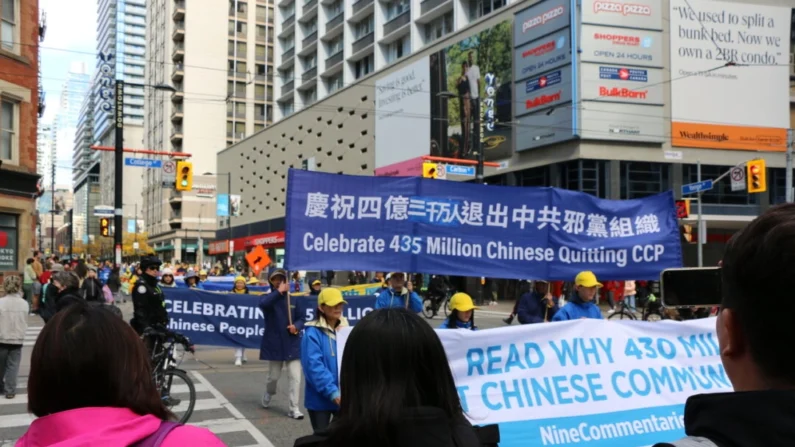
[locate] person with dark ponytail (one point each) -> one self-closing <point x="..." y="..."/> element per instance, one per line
<point x="462" y="315"/>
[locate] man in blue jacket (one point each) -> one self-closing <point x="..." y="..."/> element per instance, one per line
<point x="281" y="343"/>
<point x="581" y="304"/>
<point x="400" y="294"/>
<point x="537" y="306"/>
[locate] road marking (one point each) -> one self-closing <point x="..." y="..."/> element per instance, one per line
<point x="16" y="420"/>
<point x="219" y="426"/>
<point x="261" y="439"/>
<point x="18" y="400"/>
<point x="201" y="404"/>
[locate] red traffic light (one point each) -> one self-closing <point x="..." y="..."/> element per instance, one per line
<point x="755" y="170"/>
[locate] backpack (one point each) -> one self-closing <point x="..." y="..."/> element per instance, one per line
<point x="157" y="438"/>
<point x="693" y="441"/>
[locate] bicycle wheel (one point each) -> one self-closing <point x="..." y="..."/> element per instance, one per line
<point x="621" y="315"/>
<point x="446" y="305"/>
<point x="427" y="308"/>
<point x="652" y="315"/>
<point x="178" y="393"/>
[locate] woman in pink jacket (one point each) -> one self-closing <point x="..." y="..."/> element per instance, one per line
<point x="90" y="385"/>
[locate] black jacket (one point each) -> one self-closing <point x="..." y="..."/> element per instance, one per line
<point x="743" y="419"/>
<point x="420" y="427"/>
<point x="149" y="305"/>
<point x="67" y="297"/>
<point x="92" y="290"/>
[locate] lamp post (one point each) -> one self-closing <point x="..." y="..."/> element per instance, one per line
<point x="228" y="208"/>
<point x="119" y="160"/>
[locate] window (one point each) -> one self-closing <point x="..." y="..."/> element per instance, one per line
<point x="364" y="27"/>
<point x="287" y="108"/>
<point x="334" y="83"/>
<point x="309" y="62"/>
<point x="398" y="49"/>
<point x="261" y="13"/>
<point x="439" y="27"/>
<point x="310" y="27"/>
<point x="639" y="179"/>
<point x="8" y="232"/>
<point x="588" y="176"/>
<point x="259" y="92"/>
<point x="259" y="52"/>
<point x="8" y="27"/>
<point x="287" y="44"/>
<point x="480" y="8"/>
<point x="396" y="8"/>
<point x="335" y="46"/>
<point x="8" y="131"/>
<point x="364" y="66"/>
<point x="239" y="67"/>
<point x="261" y="32"/>
<point x="309" y="96"/>
<point x="334" y="9"/>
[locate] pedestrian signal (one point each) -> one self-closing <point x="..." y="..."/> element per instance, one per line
<point x="104" y="227"/>
<point x="687" y="233"/>
<point x="184" y="176"/>
<point x="429" y="170"/>
<point x="757" y="180"/>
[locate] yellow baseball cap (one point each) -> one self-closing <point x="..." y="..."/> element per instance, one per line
<point x="240" y="278"/>
<point x="462" y="302"/>
<point x="317" y="283"/>
<point x="330" y="297"/>
<point x="586" y="279"/>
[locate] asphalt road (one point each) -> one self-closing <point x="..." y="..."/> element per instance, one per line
<point x="228" y="397"/>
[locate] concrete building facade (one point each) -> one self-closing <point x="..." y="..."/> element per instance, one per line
<point x="219" y="57"/>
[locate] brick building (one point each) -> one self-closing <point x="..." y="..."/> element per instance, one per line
<point x="19" y="112"/>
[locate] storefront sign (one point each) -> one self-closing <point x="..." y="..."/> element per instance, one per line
<point x="543" y="55"/>
<point x="541" y="19"/>
<point x="544" y="91"/>
<point x="621" y="46"/>
<point x="622" y="84"/>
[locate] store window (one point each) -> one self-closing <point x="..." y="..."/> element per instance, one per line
<point x="9" y="242"/>
<point x="639" y="179"/>
<point x="588" y="176"/>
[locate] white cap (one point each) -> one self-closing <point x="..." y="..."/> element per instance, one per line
<point x="166" y="271"/>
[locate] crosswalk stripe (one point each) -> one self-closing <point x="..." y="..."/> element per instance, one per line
<point x="219" y="426"/>
<point x="201" y="404"/>
<point x="18" y="400"/>
<point x="183" y="389"/>
<point x="16" y="420"/>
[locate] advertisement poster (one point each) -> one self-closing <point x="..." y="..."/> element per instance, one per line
<point x="746" y="106"/>
<point x="611" y="83"/>
<point x="402" y="121"/>
<point x="471" y="84"/>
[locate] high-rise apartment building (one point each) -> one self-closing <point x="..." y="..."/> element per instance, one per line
<point x="45" y="152"/>
<point x="322" y="45"/>
<point x="73" y="92"/>
<point x="199" y="50"/>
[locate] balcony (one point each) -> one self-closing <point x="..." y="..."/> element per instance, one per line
<point x="362" y="44"/>
<point x="178" y="72"/>
<point x="309" y="75"/>
<point x="309" y="11"/>
<point x="288" y="59"/>
<point x="334" y="27"/>
<point x="179" y="95"/>
<point x="239" y="14"/>
<point x="288" y="26"/>
<point x="262" y="78"/>
<point x="179" y="31"/>
<point x="432" y="9"/>
<point x="333" y="64"/>
<point x="176" y="133"/>
<point x="177" y="113"/>
<point x="233" y="74"/>
<point x="288" y="87"/>
<point x="236" y="95"/>
<point x="178" y="54"/>
<point x="309" y="44"/>
<point x="240" y="114"/>
<point x="394" y="25"/>
<point x="284" y="3"/>
<point x="361" y="9"/>
<point x="179" y="10"/>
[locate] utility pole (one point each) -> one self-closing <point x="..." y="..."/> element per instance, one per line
<point x="700" y="220"/>
<point x="788" y="178"/>
<point x="52" y="210"/>
<point x="119" y="174"/>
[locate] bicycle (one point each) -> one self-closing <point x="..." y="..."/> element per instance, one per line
<point x="622" y="312"/>
<point x="432" y="303"/>
<point x="164" y="371"/>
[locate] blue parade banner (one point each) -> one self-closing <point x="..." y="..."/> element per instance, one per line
<point x="231" y="320"/>
<point x="452" y="228"/>
<point x="222" y="286"/>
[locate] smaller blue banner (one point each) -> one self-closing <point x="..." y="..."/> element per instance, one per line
<point x="231" y="320"/>
<point x="222" y="205"/>
<point x="143" y="163"/>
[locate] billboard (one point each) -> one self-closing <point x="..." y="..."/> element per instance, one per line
<point x="408" y="168"/>
<point x="747" y="106"/>
<point x="402" y="121"/>
<point x="543" y="128"/>
<point x="470" y="87"/>
<point x="621" y="46"/>
<point x="640" y="14"/>
<point x="541" y="19"/>
<point x="544" y="91"/>
<point x="622" y="84"/>
<point x="622" y="122"/>
<point x="552" y="51"/>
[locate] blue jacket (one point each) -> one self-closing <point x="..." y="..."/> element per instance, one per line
<point x="389" y="298"/>
<point x="576" y="309"/>
<point x="277" y="343"/>
<point x="531" y="310"/>
<point x="319" y="362"/>
<point x="446" y="324"/>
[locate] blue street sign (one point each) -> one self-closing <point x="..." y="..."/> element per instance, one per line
<point x="460" y="170"/>
<point x="143" y="163"/>
<point x="693" y="188"/>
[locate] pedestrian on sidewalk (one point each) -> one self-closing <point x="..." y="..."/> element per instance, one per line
<point x="281" y="343"/>
<point x="91" y="384"/>
<point x="319" y="359"/>
<point x="29" y="279"/>
<point x="240" y="288"/>
<point x="13" y="325"/>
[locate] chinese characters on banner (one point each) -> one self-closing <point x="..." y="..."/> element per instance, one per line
<point x="411" y="224"/>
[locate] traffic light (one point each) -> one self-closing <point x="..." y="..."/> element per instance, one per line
<point x="104" y="227"/>
<point x="429" y="170"/>
<point x="683" y="208"/>
<point x="687" y="233"/>
<point x="184" y="176"/>
<point x="757" y="179"/>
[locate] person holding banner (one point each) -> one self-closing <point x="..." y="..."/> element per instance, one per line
<point x="398" y="295"/>
<point x="319" y="359"/>
<point x="281" y="343"/>
<point x="240" y="288"/>
<point x="581" y="304"/>
<point x="537" y="306"/>
<point x="167" y="278"/>
<point x="462" y="315"/>
<point x="192" y="281"/>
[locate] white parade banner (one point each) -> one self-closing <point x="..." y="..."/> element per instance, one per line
<point x="586" y="382"/>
